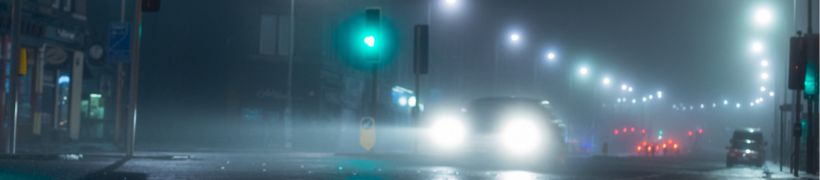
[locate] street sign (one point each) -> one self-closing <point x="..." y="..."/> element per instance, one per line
<point x="367" y="133"/>
<point x="786" y="107"/>
<point x="119" y="43"/>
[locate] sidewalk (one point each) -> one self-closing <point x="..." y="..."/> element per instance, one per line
<point x="774" y="168"/>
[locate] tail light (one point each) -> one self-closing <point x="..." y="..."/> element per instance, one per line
<point x="639" y="148"/>
<point x="664" y="146"/>
<point x="675" y="146"/>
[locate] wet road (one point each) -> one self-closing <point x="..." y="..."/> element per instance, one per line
<point x="353" y="166"/>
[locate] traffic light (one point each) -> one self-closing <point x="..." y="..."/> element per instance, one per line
<point x="797" y="63"/>
<point x="810" y="79"/>
<point x="370" y="38"/>
<point x="150" y="5"/>
<point x="420" y="49"/>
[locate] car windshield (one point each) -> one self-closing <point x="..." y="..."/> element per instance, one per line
<point x="409" y="89"/>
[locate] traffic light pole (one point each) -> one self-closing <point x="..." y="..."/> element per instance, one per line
<point x="796" y="133"/>
<point x="135" y="72"/>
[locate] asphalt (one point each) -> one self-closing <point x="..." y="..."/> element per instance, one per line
<point x="297" y="165"/>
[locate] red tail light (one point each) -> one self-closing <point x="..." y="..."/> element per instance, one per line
<point x="675" y="146"/>
<point x="639" y="148"/>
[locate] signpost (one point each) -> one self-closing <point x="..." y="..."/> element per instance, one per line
<point x="367" y="133"/>
<point x="119" y="43"/>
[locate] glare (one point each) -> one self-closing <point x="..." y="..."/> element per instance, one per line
<point x="550" y="56"/>
<point x="725" y="102"/>
<point x="517" y="175"/>
<point x="514" y="37"/>
<point x="660" y="94"/>
<point x="402" y="101"/>
<point x="764" y="63"/>
<point x="583" y="71"/>
<point x="752" y="104"/>
<point x="737" y="105"/>
<point x="714" y="105"/>
<point x="633" y="101"/>
<point x="702" y="106"/>
<point x="643" y="99"/>
<point x="629" y="89"/>
<point x="520" y="136"/>
<point x="411" y="101"/>
<point x="762" y="88"/>
<point x="651" y="97"/>
<point x="451" y="3"/>
<point x="448" y="131"/>
<point x="370" y="41"/>
<point x="606" y="81"/>
<point x="623" y="87"/>
<point x="762" y="17"/>
<point x="757" y="47"/>
<point x="771" y="94"/>
<point x="764" y="76"/>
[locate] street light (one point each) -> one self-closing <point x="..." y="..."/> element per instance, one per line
<point x="764" y="76"/>
<point x="771" y="93"/>
<point x="629" y="89"/>
<point x="451" y="3"/>
<point x="583" y="71"/>
<point x="643" y="99"/>
<point x="737" y="105"/>
<point x="725" y="102"/>
<point x="757" y="47"/>
<point x="623" y="87"/>
<point x="702" y="106"/>
<point x="651" y="97"/>
<point x="764" y="63"/>
<point x="606" y="81"/>
<point x="551" y="56"/>
<point x="659" y="94"/>
<point x="762" y="88"/>
<point x="762" y="16"/>
<point x="514" y="37"/>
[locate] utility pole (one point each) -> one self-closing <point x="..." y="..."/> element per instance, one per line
<point x="135" y="67"/>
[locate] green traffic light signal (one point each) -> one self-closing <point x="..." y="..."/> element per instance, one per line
<point x="370" y="41"/>
<point x="810" y="82"/>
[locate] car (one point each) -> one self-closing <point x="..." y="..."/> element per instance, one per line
<point x="746" y="147"/>
<point x="510" y="128"/>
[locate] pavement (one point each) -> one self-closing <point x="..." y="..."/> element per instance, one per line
<point x="306" y="165"/>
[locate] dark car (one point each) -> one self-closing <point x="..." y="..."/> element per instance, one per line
<point x="746" y="147"/>
<point x="510" y="128"/>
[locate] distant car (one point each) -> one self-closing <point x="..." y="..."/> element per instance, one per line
<point x="746" y="147"/>
<point x="519" y="129"/>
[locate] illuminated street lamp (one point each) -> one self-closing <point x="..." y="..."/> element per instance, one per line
<point x="643" y="99"/>
<point x="764" y="76"/>
<point x="659" y="94"/>
<point x="725" y="102"/>
<point x="651" y="97"/>
<point x="551" y="56"/>
<point x="583" y="71"/>
<point x="764" y="63"/>
<point x="771" y="93"/>
<point x="737" y="105"/>
<point x="702" y="106"/>
<point x="515" y="37"/>
<point x="623" y="87"/>
<point x="606" y="81"/>
<point x="629" y="89"/>
<point x="757" y="47"/>
<point x="762" y="88"/>
<point x="633" y="101"/>
<point x="762" y="16"/>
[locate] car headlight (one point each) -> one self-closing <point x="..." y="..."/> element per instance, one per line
<point x="521" y="136"/>
<point x="447" y="131"/>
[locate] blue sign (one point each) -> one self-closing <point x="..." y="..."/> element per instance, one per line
<point x="119" y="43"/>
